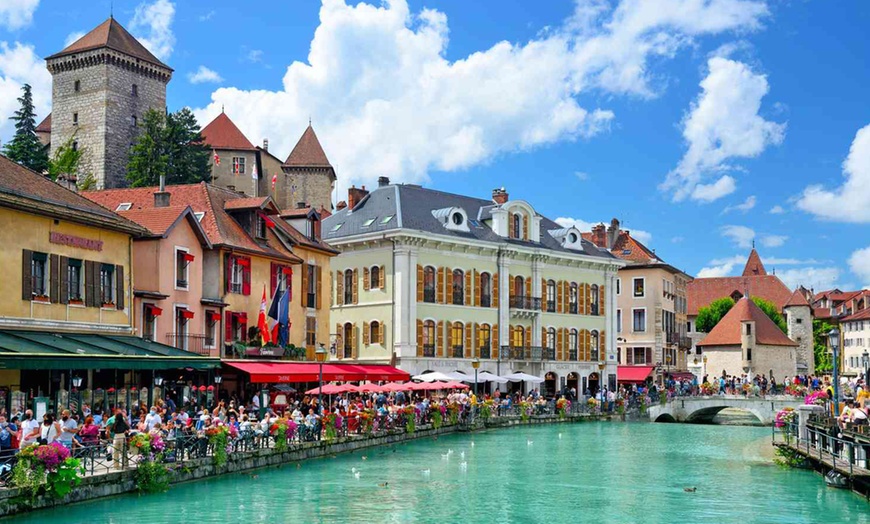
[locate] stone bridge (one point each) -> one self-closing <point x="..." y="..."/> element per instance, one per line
<point x="703" y="409"/>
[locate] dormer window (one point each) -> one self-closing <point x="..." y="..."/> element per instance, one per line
<point x="572" y="237"/>
<point x="452" y="218"/>
<point x="517" y="226"/>
<point x="458" y="219"/>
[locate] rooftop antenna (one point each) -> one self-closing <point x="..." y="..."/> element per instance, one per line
<point x="309" y="120"/>
<point x="222" y="108"/>
<point x="753" y="243"/>
<point x="111" y="10"/>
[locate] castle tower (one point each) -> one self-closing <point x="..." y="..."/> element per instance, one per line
<point x="102" y="84"/>
<point x="309" y="177"/>
<point x="799" y="320"/>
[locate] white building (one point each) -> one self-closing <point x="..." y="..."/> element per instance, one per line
<point x="856" y="341"/>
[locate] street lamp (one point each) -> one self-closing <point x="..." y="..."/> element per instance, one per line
<point x="865" y="360"/>
<point x="705" y="365"/>
<point x="77" y="380"/>
<point x="320" y="354"/>
<point x="218" y="379"/>
<point x="475" y="364"/>
<point x="834" y="345"/>
<point x="158" y="381"/>
<point x="601" y="366"/>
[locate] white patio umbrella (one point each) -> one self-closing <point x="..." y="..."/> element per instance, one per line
<point x="486" y="376"/>
<point x="523" y="377"/>
<point x="435" y="375"/>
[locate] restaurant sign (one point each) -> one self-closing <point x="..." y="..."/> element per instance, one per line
<point x="70" y="240"/>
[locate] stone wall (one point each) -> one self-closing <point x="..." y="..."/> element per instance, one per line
<point x="222" y="175"/>
<point x="310" y="185"/>
<point x="800" y="329"/>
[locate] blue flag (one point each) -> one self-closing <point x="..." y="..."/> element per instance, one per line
<point x="284" y="318"/>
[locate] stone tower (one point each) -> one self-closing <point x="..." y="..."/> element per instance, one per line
<point x="309" y="177"/>
<point x="799" y="319"/>
<point x="102" y="84"/>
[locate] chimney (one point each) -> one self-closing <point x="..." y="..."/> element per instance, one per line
<point x="599" y="236"/>
<point x="301" y="205"/>
<point x="612" y="233"/>
<point x="354" y="196"/>
<point x="161" y="197"/>
<point x="265" y="144"/>
<point x="341" y="205"/>
<point x="383" y="181"/>
<point x="499" y="195"/>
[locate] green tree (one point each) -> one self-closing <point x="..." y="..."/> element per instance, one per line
<point x="66" y="159"/>
<point x="824" y="364"/>
<point x="169" y="145"/>
<point x="25" y="147"/>
<point x="709" y="316"/>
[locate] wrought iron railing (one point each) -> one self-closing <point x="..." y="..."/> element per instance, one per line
<point x="531" y="353"/>
<point x="528" y="303"/>
<point x="199" y="344"/>
<point x="485" y="351"/>
<point x="428" y="350"/>
<point x="458" y="352"/>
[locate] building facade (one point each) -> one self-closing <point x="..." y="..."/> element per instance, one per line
<point x="433" y="280"/>
<point x="855" y="331"/>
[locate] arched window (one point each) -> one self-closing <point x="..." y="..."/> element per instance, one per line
<point x="483" y="340"/>
<point x="572" y="344"/>
<point x="375" y="277"/>
<point x="348" y="286"/>
<point x="519" y="340"/>
<point x="519" y="287"/>
<point x="458" y="287"/>
<point x="429" y="338"/>
<point x="594" y="345"/>
<point x="348" y="340"/>
<point x="573" y="299"/>
<point x="458" y="336"/>
<point x="374" y="332"/>
<point x="551" y="296"/>
<point x="550" y="343"/>
<point x="429" y="284"/>
<point x="485" y="290"/>
<point x="593" y="300"/>
<point x="518" y="225"/>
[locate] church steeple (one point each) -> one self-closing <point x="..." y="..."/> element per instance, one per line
<point x="754" y="267"/>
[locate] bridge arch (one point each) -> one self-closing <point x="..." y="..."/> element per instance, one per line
<point x="707" y="414"/>
<point x="665" y="417"/>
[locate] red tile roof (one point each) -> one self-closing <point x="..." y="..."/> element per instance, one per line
<point x="45" y="125"/>
<point x="112" y="35"/>
<point x="797" y="299"/>
<point x="728" y="331"/>
<point x="864" y="314"/>
<point x="308" y="152"/>
<point x="222" y="133"/>
<point x="246" y="203"/>
<point x="161" y="220"/>
<point x="702" y="291"/>
<point x="627" y="247"/>
<point x="754" y="267"/>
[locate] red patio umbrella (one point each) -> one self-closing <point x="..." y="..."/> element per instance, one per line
<point x="455" y="385"/>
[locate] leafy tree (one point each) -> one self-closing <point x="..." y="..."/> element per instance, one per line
<point x="87" y="183"/>
<point x="824" y="364"/>
<point x="709" y="316"/>
<point x="66" y="159"/>
<point x="169" y="145"/>
<point x="25" y="147"/>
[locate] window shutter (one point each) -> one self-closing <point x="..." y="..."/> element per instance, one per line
<point x="588" y="298"/>
<point x="560" y="297"/>
<point x="89" y="283"/>
<point x="581" y="299"/>
<point x="228" y="326"/>
<point x="54" y="278"/>
<point x="381" y="277"/>
<point x="381" y="334"/>
<point x="340" y="346"/>
<point x="544" y="294"/>
<point x="303" y="292"/>
<point x="366" y="285"/>
<point x="419" y="333"/>
<point x="468" y="352"/>
<point x="318" y="288"/>
<point x="583" y="345"/>
<point x="450" y="340"/>
<point x="588" y="345"/>
<point x="511" y="335"/>
<point x="602" y="345"/>
<point x="629" y="356"/>
<point x="366" y="334"/>
<point x="228" y="273"/>
<point x="439" y="285"/>
<point x="26" y="280"/>
<point x="273" y="277"/>
<point x="339" y="288"/>
<point x="525" y="226"/>
<point x="353" y="341"/>
<point x="494" y="340"/>
<point x="566" y="296"/>
<point x="511" y="232"/>
<point x="477" y="290"/>
<point x="64" y="280"/>
<point x="475" y="343"/>
<point x="419" y="284"/>
<point x="601" y="302"/>
<point x="528" y="337"/>
<point x="355" y="286"/>
<point x="494" y="281"/>
<point x="246" y="277"/>
<point x="528" y="287"/>
<point x="331" y="296"/>
<point x="439" y="338"/>
<point x="648" y="355"/>
<point x="543" y="337"/>
<point x="119" y="287"/>
<point x="467" y="288"/>
<point x="560" y="344"/>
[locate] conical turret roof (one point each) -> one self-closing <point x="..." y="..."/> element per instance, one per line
<point x="308" y="152"/>
<point x="112" y="35"/>
<point x="754" y="267"/>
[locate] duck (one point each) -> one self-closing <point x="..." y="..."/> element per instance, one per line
<point x="529" y="442"/>
<point x="463" y="465"/>
<point x="446" y="457"/>
<point x="690" y="490"/>
<point x="353" y="470"/>
<point x="365" y="457"/>
<point x="356" y="475"/>
<point x="384" y="484"/>
<point x="426" y="471"/>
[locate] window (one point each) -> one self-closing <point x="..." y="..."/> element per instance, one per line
<point x="573" y="299"/>
<point x="801" y="321"/>
<point x="238" y="165"/>
<point x="310" y="332"/>
<point x="618" y="286"/>
<point x="74" y="280"/>
<point x="619" y="321"/>
<point x="458" y="287"/>
<point x="375" y="277"/>
<point x="458" y="335"/>
<point x="77" y="86"/>
<point x="748" y="353"/>
<point x="134" y="90"/>
<point x="572" y="344"/>
<point x="281" y="277"/>
<point x="348" y="286"/>
<point x="211" y="326"/>
<point x="312" y="285"/>
<point x="518" y="226"/>
<point x="181" y="263"/>
<point x="182" y="316"/>
<point x="336" y="227"/>
<point x="261" y="227"/>
<point x="572" y="237"/>
<point x="519" y="287"/>
<point x="638" y="285"/>
<point x="149" y="323"/>
<point x="348" y="340"/>
<point x="639" y="356"/>
<point x="75" y="119"/>
<point x="519" y="339"/>
<point x="429" y="284"/>
<point x="593" y="300"/>
<point x="593" y="345"/>
<point x="107" y="284"/>
<point x="748" y="329"/>
<point x="374" y="332"/>
<point x="369" y="222"/>
<point x="429" y="338"/>
<point x="237" y="276"/>
<point x="134" y="121"/>
<point x="485" y="290"/>
<point x="124" y="206"/>
<point x="39" y="274"/>
<point x="550" y="343"/>
<point x="457" y="219"/>
<point x="75" y="145"/>
<point x="199" y="216"/>
<point x="638" y="320"/>
<point x="483" y="338"/>
<point x="386" y="219"/>
<point x="551" y="297"/>
<point x="238" y="326"/>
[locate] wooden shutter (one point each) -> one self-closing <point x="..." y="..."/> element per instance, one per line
<point x="560" y="297"/>
<point x="450" y="340"/>
<point x="588" y="345"/>
<point x="26" y="280"/>
<point x="493" y="337"/>
<point x="601" y="300"/>
<point x="525" y="226"/>
<point x="648" y="355"/>
<point x="602" y="345"/>
<point x="477" y="290"/>
<point x="366" y="335"/>
<point x="87" y="271"/>
<point x="227" y="273"/>
<point x="468" y="351"/>
<point x="543" y="337"/>
<point x="581" y="338"/>
<point x="419" y="334"/>
<point x="318" y="288"/>
<point x="246" y="277"/>
<point x="560" y="344"/>
<point x="467" y="288"/>
<point x="528" y="336"/>
<point x="439" y="285"/>
<point x="340" y="349"/>
<point x="588" y="299"/>
<point x="331" y="296"/>
<point x="511" y="231"/>
<point x="381" y="334"/>
<point x="119" y="287"/>
<point x="381" y="277"/>
<point x="228" y="326"/>
<point x="355" y="286"/>
<point x="353" y="341"/>
<point x="439" y="338"/>
<point x="64" y="280"/>
<point x="581" y="299"/>
<point x="419" y="284"/>
<point x="511" y="332"/>
<point x="528" y="288"/>
<point x="54" y="278"/>
<point x="494" y="282"/>
<point x="366" y="285"/>
<point x="544" y="295"/>
<point x="566" y="296"/>
<point x="475" y="343"/>
<point x="339" y="288"/>
<point x="273" y="277"/>
<point x="303" y="293"/>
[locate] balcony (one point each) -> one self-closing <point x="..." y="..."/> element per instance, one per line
<point x="199" y="344"/>
<point x="532" y="353"/>
<point x="458" y="352"/>
<point x="429" y="350"/>
<point x="551" y="306"/>
<point x="525" y="307"/>
<point x="485" y="351"/>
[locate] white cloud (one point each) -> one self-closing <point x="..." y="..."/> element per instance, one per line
<point x="386" y="101"/>
<point x="16" y="14"/>
<point x="773" y="240"/>
<point x="72" y="37"/>
<point x="204" y="74"/>
<point x="859" y="264"/>
<point x="776" y="210"/>
<point x="19" y="65"/>
<point x="677" y="240"/>
<point x="742" y="236"/>
<point x="723" y="124"/>
<point x="810" y="277"/>
<point x="207" y="16"/>
<point x="581" y="176"/>
<point x="776" y="261"/>
<point x="152" y="26"/>
<point x="721" y="270"/>
<point x="847" y="203"/>
<point x="254" y="55"/>
<point x="747" y="204"/>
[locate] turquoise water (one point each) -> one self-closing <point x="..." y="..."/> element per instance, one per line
<point x="604" y="472"/>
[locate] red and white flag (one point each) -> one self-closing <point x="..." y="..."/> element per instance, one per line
<point x="274" y="181"/>
<point x="217" y="159"/>
<point x="262" y="323"/>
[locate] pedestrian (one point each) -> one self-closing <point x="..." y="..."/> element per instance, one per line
<point x="120" y="429"/>
<point x="68" y="428"/>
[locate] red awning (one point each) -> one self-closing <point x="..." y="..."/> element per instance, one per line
<point x="633" y="373"/>
<point x="214" y="317"/>
<point x="261" y="372"/>
<point x="242" y="316"/>
<point x="188" y="257"/>
<point x="154" y="310"/>
<point x="186" y="313"/>
<point x="379" y="373"/>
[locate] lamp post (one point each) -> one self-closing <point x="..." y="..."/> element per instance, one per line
<point x="705" y="365"/>
<point x="475" y="364"/>
<point x="77" y="380"/>
<point x="601" y="366"/>
<point x="834" y="345"/>
<point x="320" y="354"/>
<point x="865" y="360"/>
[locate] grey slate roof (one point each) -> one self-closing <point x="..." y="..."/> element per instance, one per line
<point x="411" y="208"/>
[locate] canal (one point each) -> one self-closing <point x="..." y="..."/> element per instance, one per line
<point x="606" y="472"/>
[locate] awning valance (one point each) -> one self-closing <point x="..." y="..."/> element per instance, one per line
<point x="291" y="372"/>
<point x="636" y="374"/>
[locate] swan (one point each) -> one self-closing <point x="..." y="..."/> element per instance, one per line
<point x="529" y="442"/>
<point x="353" y="470"/>
<point x="446" y="457"/>
<point x="461" y="454"/>
<point x="356" y="475"/>
<point x="463" y="465"/>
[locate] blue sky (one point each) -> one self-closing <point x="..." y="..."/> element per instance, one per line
<point x="701" y="124"/>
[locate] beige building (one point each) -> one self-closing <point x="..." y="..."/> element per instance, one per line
<point x="855" y="330"/>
